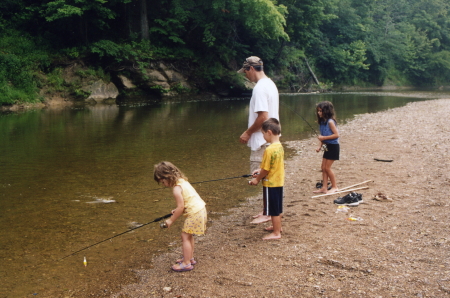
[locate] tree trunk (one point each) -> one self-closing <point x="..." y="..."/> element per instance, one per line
<point x="312" y="73"/>
<point x="144" y="20"/>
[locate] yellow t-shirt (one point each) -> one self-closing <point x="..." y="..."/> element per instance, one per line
<point x="273" y="162"/>
<point x="193" y="203"/>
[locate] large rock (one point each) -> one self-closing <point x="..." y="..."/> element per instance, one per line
<point x="159" y="76"/>
<point x="157" y="79"/>
<point x="101" y="90"/>
<point x="126" y="82"/>
<point x="176" y="78"/>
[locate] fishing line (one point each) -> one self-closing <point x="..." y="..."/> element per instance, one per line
<point x="324" y="146"/>
<point x="131" y="229"/>
<point x="243" y="176"/>
<point x="292" y="110"/>
<point x="155" y="220"/>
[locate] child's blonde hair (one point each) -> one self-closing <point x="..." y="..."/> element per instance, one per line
<point x="167" y="170"/>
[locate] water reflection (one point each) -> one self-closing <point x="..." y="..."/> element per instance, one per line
<point x="52" y="162"/>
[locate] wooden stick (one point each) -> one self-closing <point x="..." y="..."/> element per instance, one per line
<point x="356" y="184"/>
<point x="348" y="190"/>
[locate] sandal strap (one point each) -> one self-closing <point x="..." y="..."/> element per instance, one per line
<point x="182" y="266"/>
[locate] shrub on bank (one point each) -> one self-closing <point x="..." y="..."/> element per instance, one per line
<point x="21" y="59"/>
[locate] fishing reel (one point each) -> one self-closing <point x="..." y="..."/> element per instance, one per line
<point x="163" y="225"/>
<point x="324" y="148"/>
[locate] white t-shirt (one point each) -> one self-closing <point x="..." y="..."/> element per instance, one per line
<point x="264" y="99"/>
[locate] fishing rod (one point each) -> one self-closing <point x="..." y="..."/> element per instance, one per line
<point x="324" y="146"/>
<point x="243" y="176"/>
<point x="155" y="220"/>
<point x="131" y="229"/>
<point x="292" y="110"/>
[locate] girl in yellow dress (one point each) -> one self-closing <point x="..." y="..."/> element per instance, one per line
<point x="189" y="204"/>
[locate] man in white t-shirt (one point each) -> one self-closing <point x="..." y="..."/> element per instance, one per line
<point x="263" y="105"/>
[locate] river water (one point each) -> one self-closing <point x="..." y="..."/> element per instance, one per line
<point x="58" y="166"/>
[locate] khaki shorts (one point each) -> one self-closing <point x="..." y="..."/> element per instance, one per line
<point x="256" y="158"/>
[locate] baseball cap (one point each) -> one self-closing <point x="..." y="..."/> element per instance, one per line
<point x="250" y="61"/>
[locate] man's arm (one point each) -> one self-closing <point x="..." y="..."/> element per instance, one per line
<point x="256" y="126"/>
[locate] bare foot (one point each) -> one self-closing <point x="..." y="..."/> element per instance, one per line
<point x="272" y="236"/>
<point x="261" y="219"/>
<point x="320" y="191"/>
<point x="270" y="229"/>
<point x="257" y="215"/>
<point x="332" y="190"/>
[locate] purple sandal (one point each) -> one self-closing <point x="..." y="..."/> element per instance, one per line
<point x="183" y="267"/>
<point x="193" y="261"/>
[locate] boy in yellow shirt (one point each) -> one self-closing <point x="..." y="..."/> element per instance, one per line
<point x="272" y="175"/>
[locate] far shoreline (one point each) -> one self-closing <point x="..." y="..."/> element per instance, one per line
<point x="58" y="103"/>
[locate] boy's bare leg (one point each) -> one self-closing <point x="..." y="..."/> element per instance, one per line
<point x="276" y="233"/>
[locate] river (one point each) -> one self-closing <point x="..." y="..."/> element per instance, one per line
<point x="58" y="166"/>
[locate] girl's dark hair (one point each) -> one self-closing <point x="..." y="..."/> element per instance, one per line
<point x="327" y="112"/>
<point x="167" y="170"/>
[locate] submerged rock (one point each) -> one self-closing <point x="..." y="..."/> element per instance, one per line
<point x="101" y="201"/>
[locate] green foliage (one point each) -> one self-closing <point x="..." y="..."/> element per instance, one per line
<point x="20" y="61"/>
<point x="180" y="89"/>
<point x="60" y="9"/>
<point x="264" y="18"/>
<point x="160" y="89"/>
<point x="93" y="74"/>
<point x="72" y="53"/>
<point x="169" y="27"/>
<point x="80" y="94"/>
<point x="55" y="81"/>
<point x="346" y="41"/>
<point x="108" y="48"/>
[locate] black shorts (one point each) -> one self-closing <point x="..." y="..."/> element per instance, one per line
<point x="273" y="200"/>
<point x="333" y="152"/>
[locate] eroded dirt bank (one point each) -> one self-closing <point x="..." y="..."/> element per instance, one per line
<point x="401" y="248"/>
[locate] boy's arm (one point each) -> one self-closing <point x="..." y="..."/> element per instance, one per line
<point x="262" y="173"/>
<point x="180" y="206"/>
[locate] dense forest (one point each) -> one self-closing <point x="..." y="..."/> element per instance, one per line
<point x="345" y="42"/>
